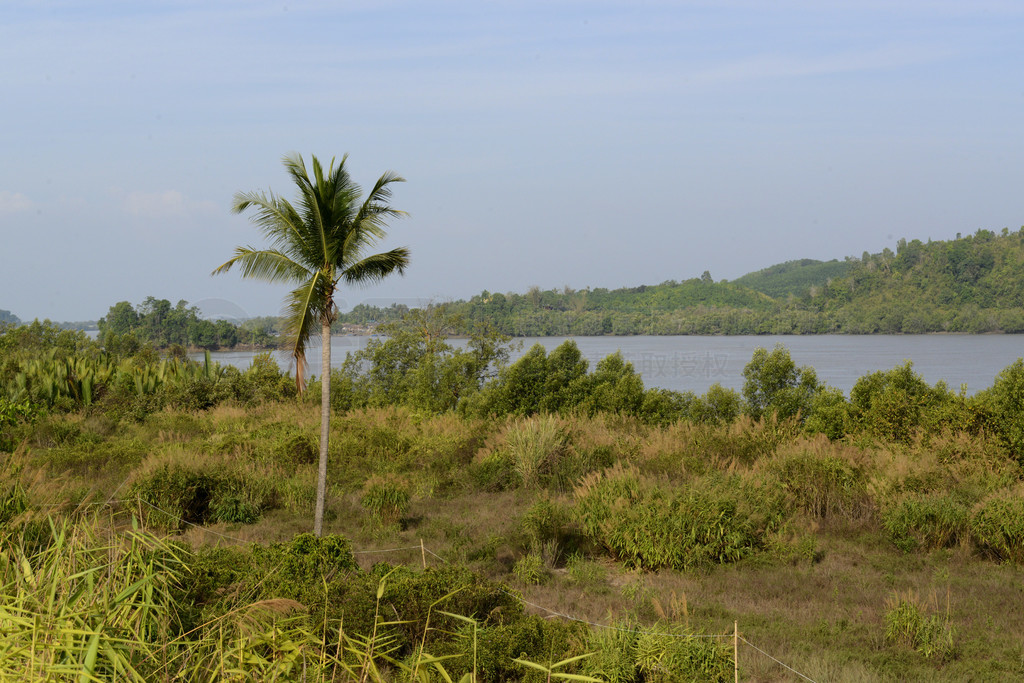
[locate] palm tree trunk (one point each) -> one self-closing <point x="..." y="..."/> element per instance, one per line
<point x="325" y="428"/>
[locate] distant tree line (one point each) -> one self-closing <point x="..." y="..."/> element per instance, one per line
<point x="159" y="324"/>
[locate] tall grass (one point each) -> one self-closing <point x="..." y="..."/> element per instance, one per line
<point x="534" y="446"/>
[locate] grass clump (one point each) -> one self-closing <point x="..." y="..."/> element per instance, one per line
<point x="997" y="526"/>
<point x="926" y="521"/>
<point x="823" y="487"/>
<point x="180" y="489"/>
<point x="386" y="498"/>
<point x="665" y="653"/>
<point x="534" y="447"/>
<point x="86" y="604"/>
<point x="912" y="623"/>
<point x="530" y="568"/>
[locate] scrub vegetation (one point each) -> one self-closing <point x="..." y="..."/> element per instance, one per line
<point x="154" y="515"/>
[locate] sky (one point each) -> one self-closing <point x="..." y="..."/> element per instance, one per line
<point x="557" y="143"/>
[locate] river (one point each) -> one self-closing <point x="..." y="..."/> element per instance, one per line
<point x="685" y="363"/>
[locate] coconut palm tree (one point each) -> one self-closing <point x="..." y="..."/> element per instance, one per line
<point x="317" y="244"/>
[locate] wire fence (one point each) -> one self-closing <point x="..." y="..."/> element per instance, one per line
<point x="424" y="551"/>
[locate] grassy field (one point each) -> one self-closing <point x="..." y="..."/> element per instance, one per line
<point x="849" y="560"/>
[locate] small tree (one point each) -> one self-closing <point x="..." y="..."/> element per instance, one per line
<point x="773" y="383"/>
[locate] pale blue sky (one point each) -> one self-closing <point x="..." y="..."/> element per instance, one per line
<point x="600" y="144"/>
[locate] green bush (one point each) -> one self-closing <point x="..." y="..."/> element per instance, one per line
<point x="926" y="521"/>
<point x="12" y="414"/>
<point x="997" y="527"/>
<point x="546" y="520"/>
<point x="492" y="473"/>
<point x="1005" y="400"/>
<point x="529" y="637"/>
<point x="894" y="404"/>
<point x="830" y="414"/>
<point x="718" y="406"/>
<point x="713" y="521"/>
<point x="667" y="653"/>
<point x="774" y="384"/>
<point x="175" y="494"/>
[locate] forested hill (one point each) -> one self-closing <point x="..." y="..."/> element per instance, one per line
<point x="973" y="284"/>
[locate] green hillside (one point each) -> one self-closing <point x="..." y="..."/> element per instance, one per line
<point x="793" y="277"/>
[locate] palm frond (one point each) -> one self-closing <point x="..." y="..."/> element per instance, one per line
<point x="268" y="265"/>
<point x="303" y="310"/>
<point x="376" y="267"/>
<point x="375" y="210"/>
<point x="276" y="218"/>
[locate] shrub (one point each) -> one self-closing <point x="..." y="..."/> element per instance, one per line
<point x="1005" y="400"/>
<point x="666" y="653"/>
<point x="265" y="380"/>
<point x="893" y="404"/>
<point x="663" y="407"/>
<point x="717" y="406"/>
<point x="546" y="520"/>
<point x="530" y="637"/>
<point x="829" y="414"/>
<point x="177" y="493"/>
<point x="773" y="383"/>
<point x="13" y="413"/>
<point x="298" y="447"/>
<point x="492" y="472"/>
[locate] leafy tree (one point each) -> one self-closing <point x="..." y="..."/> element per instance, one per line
<point x="316" y="244"/>
<point x="773" y="383"/>
<point x="893" y="403"/>
<point x="1005" y="399"/>
<point x="120" y="320"/>
<point x="615" y="387"/>
<point x="717" y="406"/>
<point x="414" y="364"/>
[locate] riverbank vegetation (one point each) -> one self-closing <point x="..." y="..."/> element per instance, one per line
<point x="155" y="323"/>
<point x="153" y="525"/>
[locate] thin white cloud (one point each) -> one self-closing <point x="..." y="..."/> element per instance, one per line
<point x="14" y="202"/>
<point x="775" y="66"/>
<point x="165" y="204"/>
